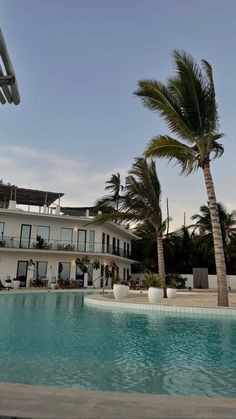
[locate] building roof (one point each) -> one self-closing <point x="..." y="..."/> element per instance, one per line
<point x="27" y="196"/>
<point x="8" y="85"/>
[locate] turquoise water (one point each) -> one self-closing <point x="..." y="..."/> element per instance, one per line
<point x="53" y="339"/>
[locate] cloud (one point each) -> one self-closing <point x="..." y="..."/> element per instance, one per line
<point x="81" y="182"/>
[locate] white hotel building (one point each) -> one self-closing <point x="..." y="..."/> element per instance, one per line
<point x="34" y="228"/>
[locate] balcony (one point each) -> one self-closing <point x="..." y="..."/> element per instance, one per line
<point x="61" y="246"/>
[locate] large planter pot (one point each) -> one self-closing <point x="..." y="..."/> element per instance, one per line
<point x="120" y="291"/>
<point x="16" y="284"/>
<point x="53" y="286"/>
<point x="155" y="295"/>
<point x="171" y="292"/>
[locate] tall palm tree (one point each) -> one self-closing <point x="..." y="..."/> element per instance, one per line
<point x="188" y="105"/>
<point x="141" y="203"/>
<point x="115" y="188"/>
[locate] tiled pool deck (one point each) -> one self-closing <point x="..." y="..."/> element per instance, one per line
<point x="26" y="401"/>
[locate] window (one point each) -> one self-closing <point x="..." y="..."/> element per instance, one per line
<point x="2" y="225"/>
<point x="22" y="269"/>
<point x="91" y="240"/>
<point x="25" y="235"/>
<point x="81" y="246"/>
<point x="66" y="235"/>
<point x="64" y="270"/>
<point x="103" y="242"/>
<point x="124" y="249"/>
<point x="108" y="243"/>
<point x="118" y="247"/>
<point x="113" y="245"/>
<point x="124" y="278"/>
<point x="43" y="232"/>
<point x="40" y="269"/>
<point x="128" y="249"/>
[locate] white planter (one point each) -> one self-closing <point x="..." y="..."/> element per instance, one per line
<point x="16" y="284"/>
<point x="53" y="286"/>
<point x="120" y="291"/>
<point x="155" y="295"/>
<point x="171" y="292"/>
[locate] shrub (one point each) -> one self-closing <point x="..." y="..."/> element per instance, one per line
<point x="175" y="281"/>
<point x="152" y="280"/>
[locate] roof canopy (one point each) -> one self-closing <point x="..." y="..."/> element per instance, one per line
<point x="8" y="86"/>
<point x="27" y="196"/>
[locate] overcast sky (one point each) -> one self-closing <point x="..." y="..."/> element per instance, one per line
<point x="77" y="63"/>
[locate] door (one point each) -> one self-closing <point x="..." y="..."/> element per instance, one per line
<point x="25" y="236"/>
<point x="22" y="269"/>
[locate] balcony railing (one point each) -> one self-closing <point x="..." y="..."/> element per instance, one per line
<point x="78" y="247"/>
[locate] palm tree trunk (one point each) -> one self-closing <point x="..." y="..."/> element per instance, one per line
<point x="217" y="238"/>
<point x="161" y="262"/>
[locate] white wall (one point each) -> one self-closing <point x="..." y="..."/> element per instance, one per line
<point x="189" y="283"/>
<point x="14" y="220"/>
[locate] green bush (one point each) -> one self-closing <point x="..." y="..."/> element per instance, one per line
<point x="175" y="281"/>
<point x="152" y="280"/>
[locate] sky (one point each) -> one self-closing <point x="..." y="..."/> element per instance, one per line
<point x="77" y="64"/>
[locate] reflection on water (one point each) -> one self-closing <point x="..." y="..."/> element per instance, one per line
<point x="52" y="339"/>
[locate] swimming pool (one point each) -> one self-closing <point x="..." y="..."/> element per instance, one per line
<point x="52" y="339"/>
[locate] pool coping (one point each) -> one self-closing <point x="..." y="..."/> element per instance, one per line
<point x="101" y="303"/>
<point x="27" y="401"/>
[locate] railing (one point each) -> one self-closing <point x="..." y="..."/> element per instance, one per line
<point x="61" y="245"/>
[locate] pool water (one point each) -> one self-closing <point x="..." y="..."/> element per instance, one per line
<point x="53" y="339"/>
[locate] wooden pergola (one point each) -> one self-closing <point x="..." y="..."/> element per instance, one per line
<point x="27" y="196"/>
<point x="8" y="85"/>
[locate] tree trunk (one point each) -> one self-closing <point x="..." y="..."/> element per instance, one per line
<point x="161" y="262"/>
<point x="217" y="238"/>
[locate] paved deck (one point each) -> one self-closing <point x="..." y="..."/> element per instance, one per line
<point x="25" y="401"/>
<point x="187" y="299"/>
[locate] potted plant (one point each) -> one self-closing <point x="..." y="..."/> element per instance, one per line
<point x="120" y="289"/>
<point x="16" y="283"/>
<point x="174" y="281"/>
<point x="171" y="290"/>
<point x="155" y="292"/>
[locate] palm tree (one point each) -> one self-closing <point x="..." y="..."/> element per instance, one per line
<point x="188" y="105"/>
<point x="227" y="222"/>
<point x="113" y="200"/>
<point x="141" y="203"/>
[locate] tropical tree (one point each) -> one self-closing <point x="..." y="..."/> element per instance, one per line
<point x="115" y="188"/>
<point x="141" y="203"/>
<point x="187" y="103"/>
<point x="227" y="223"/>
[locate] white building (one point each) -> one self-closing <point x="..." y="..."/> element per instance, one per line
<point x="34" y="229"/>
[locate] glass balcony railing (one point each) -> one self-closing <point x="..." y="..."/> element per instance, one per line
<point x="63" y="246"/>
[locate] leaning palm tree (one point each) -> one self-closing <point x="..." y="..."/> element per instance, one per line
<point x="187" y="103"/>
<point x="141" y="203"/>
<point x="115" y="188"/>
